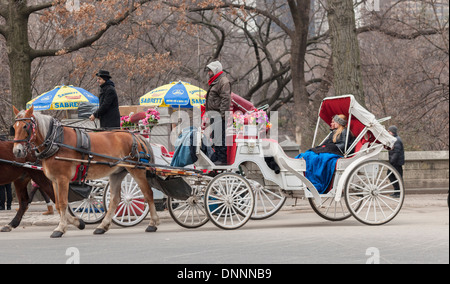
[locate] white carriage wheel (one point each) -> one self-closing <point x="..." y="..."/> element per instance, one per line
<point x="132" y="208"/>
<point x="370" y="194"/>
<point x="91" y="210"/>
<point x="329" y="209"/>
<point x="229" y="201"/>
<point x="191" y="213"/>
<point x="267" y="202"/>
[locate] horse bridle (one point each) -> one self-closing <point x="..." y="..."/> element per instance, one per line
<point x="30" y="128"/>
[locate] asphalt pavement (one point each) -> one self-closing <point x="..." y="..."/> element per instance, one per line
<point x="34" y="217"/>
<point x="295" y="235"/>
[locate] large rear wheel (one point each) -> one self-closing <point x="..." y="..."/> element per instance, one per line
<point x="374" y="192"/>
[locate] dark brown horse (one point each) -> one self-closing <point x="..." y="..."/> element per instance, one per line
<point x="20" y="176"/>
<point x="33" y="129"/>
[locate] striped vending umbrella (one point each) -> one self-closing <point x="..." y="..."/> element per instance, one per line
<point x="176" y="94"/>
<point x="62" y="98"/>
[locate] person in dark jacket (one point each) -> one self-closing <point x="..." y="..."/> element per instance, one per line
<point x="396" y="158"/>
<point x="108" y="110"/>
<point x="218" y="98"/>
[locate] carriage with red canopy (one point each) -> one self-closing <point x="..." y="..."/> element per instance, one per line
<point x="362" y="185"/>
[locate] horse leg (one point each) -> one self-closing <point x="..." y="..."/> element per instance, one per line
<point x="141" y="179"/>
<point x="22" y="196"/>
<point x="61" y="187"/>
<point x="115" y="188"/>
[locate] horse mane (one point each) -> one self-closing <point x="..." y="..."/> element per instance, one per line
<point x="42" y="121"/>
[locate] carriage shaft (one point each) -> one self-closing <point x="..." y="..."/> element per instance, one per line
<point x="157" y="170"/>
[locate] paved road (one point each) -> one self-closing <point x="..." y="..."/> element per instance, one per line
<point x="419" y="234"/>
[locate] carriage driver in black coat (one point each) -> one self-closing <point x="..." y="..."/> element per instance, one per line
<point x="108" y="111"/>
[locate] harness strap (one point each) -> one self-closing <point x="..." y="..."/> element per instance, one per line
<point x="55" y="135"/>
<point x="84" y="143"/>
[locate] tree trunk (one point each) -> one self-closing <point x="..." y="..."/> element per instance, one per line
<point x="303" y="115"/>
<point x="304" y="132"/>
<point x="345" y="46"/>
<point x="19" y="51"/>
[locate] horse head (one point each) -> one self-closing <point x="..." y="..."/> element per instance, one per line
<point x="24" y="131"/>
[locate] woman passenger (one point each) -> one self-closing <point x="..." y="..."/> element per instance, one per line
<point x="339" y="133"/>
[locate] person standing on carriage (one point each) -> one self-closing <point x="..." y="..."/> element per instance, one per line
<point x="218" y="98"/>
<point x="396" y="158"/>
<point x="108" y="110"/>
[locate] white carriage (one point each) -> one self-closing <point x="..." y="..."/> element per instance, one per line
<point x="360" y="187"/>
<point x="247" y="188"/>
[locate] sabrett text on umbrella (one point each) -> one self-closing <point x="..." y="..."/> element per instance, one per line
<point x="66" y="105"/>
<point x="151" y="100"/>
<point x="198" y="101"/>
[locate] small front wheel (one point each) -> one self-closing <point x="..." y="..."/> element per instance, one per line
<point x="229" y="201"/>
<point x="330" y="209"/>
<point x="191" y="213"/>
<point x="132" y="208"/>
<point x="267" y="202"/>
<point x="91" y="209"/>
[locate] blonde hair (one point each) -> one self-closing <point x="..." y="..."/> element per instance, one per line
<point x="340" y="128"/>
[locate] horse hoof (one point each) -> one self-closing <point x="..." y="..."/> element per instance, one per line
<point x="56" y="234"/>
<point x="6" y="229"/>
<point x="151" y="229"/>
<point x="99" y="231"/>
<point x="82" y="225"/>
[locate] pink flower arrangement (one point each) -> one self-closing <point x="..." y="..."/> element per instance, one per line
<point x="125" y="122"/>
<point x="252" y="118"/>
<point x="151" y="117"/>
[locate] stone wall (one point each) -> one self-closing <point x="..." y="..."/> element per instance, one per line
<point x="425" y="170"/>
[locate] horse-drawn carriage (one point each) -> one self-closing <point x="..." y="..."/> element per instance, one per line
<point x="360" y="187"/>
<point x="248" y="187"/>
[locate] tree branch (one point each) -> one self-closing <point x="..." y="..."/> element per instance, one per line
<point x="228" y="5"/>
<point x="88" y="41"/>
<point x="38" y="7"/>
<point x="419" y="33"/>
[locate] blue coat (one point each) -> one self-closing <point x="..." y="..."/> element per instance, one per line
<point x="185" y="148"/>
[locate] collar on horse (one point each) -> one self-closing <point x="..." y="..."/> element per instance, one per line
<point x="55" y="136"/>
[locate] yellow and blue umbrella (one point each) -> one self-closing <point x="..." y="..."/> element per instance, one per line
<point x="62" y="97"/>
<point x="175" y="94"/>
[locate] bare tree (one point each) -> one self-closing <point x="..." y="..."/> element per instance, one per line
<point x="345" y="47"/>
<point x="15" y="30"/>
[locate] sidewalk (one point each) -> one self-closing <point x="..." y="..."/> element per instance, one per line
<point x="34" y="217"/>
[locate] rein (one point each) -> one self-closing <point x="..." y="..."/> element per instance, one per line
<point x="54" y="141"/>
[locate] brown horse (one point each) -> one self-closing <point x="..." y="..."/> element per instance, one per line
<point x="20" y="176"/>
<point x="33" y="129"/>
